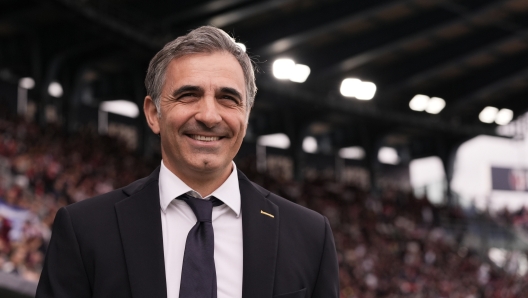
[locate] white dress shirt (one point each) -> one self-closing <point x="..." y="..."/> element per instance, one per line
<point x="177" y="219"/>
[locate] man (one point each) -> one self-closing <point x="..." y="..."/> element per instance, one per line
<point x="151" y="239"/>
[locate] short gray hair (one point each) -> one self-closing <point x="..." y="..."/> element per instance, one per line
<point x="206" y="39"/>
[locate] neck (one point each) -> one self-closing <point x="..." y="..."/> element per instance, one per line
<point x="203" y="182"/>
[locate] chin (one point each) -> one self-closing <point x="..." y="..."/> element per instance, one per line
<point x="207" y="165"/>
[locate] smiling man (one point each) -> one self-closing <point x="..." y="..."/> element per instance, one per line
<point x="196" y="227"/>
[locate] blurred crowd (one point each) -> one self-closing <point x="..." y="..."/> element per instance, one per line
<point x="42" y="170"/>
<point x="517" y="219"/>
<point x="389" y="244"/>
<point x="392" y="245"/>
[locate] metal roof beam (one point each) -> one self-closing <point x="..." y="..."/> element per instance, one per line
<point x="518" y="79"/>
<point x="471" y="20"/>
<point x="112" y="24"/>
<point x="196" y="12"/>
<point x="283" y="44"/>
<point x="461" y="62"/>
<point x="237" y="15"/>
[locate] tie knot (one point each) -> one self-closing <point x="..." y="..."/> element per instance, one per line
<point x="202" y="208"/>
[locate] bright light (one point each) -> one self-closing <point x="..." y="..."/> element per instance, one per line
<point x="358" y="89"/>
<point x="354" y="152"/>
<point x="55" y="89"/>
<point x="435" y="105"/>
<point x="366" y="91"/>
<point x="26" y="83"/>
<point x="283" y="68"/>
<point x="300" y="73"/>
<point x="504" y="116"/>
<point x="388" y="155"/>
<point x="276" y="140"/>
<point x="349" y="87"/>
<point x="488" y="114"/>
<point x="419" y="102"/>
<point x="424" y="171"/>
<point x="241" y="46"/>
<point x="121" y="107"/>
<point x="422" y="103"/>
<point x="309" y="145"/>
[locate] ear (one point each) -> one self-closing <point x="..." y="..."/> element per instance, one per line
<point x="151" y="113"/>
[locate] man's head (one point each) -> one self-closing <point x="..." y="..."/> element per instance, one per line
<point x="200" y="90"/>
<point x="206" y="39"/>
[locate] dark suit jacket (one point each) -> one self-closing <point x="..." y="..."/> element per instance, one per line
<point x="112" y="246"/>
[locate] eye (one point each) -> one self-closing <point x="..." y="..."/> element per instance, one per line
<point x="229" y="100"/>
<point x="188" y="95"/>
<point x="228" y="97"/>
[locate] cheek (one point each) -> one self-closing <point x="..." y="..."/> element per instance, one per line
<point x="174" y="122"/>
<point x="238" y="125"/>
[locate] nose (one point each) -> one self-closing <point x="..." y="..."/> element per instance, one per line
<point x="208" y="112"/>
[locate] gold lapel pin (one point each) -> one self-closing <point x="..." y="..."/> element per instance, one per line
<point x="266" y="213"/>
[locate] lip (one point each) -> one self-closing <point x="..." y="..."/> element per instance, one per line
<point x="204" y="142"/>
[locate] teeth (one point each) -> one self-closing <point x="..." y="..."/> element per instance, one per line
<point x="204" y="138"/>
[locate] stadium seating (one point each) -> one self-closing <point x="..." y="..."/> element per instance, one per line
<point x="389" y="245"/>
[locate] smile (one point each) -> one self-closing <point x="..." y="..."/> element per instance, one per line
<point x="204" y="138"/>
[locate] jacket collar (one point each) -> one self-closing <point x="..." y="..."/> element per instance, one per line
<point x="260" y="230"/>
<point x="139" y="222"/>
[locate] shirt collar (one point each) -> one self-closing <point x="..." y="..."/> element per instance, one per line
<point x="171" y="187"/>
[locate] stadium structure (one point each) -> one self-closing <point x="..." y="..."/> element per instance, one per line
<point x="402" y="121"/>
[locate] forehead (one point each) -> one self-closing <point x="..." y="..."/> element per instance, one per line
<point x="208" y="70"/>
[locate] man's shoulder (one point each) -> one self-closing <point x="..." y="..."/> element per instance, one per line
<point x="290" y="209"/>
<point x="104" y="202"/>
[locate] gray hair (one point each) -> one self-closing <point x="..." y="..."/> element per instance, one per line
<point x="206" y="39"/>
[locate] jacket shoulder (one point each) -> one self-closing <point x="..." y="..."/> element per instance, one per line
<point x="290" y="209"/>
<point x="107" y="200"/>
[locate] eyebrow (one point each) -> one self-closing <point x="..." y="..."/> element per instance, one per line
<point x="186" y="88"/>
<point x="192" y="88"/>
<point x="231" y="91"/>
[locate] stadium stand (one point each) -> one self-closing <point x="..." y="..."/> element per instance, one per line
<point x="389" y="245"/>
<point x="41" y="171"/>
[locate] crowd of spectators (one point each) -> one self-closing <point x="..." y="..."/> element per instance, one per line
<point x="392" y="244"/>
<point x="517" y="219"/>
<point x="42" y="170"/>
<point x="389" y="245"/>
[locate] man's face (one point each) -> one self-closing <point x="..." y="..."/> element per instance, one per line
<point x="203" y="113"/>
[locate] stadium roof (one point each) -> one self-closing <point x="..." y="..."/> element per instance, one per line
<point x="471" y="53"/>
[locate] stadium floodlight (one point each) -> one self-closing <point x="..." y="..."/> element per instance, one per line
<point x="309" y="145"/>
<point x="299" y="73"/>
<point x="366" y="91"/>
<point x="419" y="102"/>
<point x="121" y="107"/>
<point x="287" y="69"/>
<point x="241" y="46"/>
<point x="55" y="89"/>
<point x="26" y="83"/>
<point x="354" y="152"/>
<point x="488" y="114"/>
<point x="351" y="87"/>
<point x="504" y="116"/>
<point x="435" y="105"/>
<point x="388" y="155"/>
<point x="283" y="68"/>
<point x="276" y="140"/>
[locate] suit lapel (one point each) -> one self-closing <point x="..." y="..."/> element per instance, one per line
<point x="260" y="236"/>
<point x="140" y="226"/>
